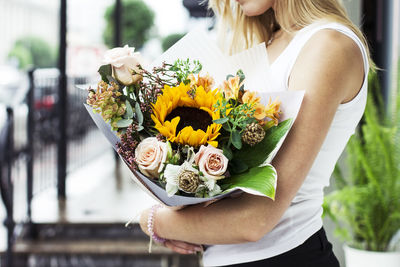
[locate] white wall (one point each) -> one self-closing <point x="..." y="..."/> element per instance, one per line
<point x="27" y="17"/>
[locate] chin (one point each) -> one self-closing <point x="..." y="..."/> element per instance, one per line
<point x="252" y="13"/>
<point x="255" y="8"/>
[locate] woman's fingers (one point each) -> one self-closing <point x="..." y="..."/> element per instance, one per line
<point x="187" y="246"/>
<point x="182" y="247"/>
<point x="177" y="249"/>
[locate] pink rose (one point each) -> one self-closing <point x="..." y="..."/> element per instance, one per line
<point x="150" y="156"/>
<point x="212" y="162"/>
<point x="124" y="63"/>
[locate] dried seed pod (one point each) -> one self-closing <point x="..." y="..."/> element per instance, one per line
<point x="189" y="181"/>
<point x="253" y="134"/>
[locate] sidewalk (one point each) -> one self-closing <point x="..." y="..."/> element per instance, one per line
<point x="96" y="193"/>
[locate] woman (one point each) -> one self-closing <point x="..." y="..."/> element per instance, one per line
<point x="312" y="46"/>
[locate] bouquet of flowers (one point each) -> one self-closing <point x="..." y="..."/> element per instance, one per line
<point x="187" y="138"/>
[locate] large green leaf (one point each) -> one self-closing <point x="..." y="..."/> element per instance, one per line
<point x="257" y="181"/>
<point x="254" y="156"/>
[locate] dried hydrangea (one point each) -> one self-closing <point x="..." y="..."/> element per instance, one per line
<point x="106" y="100"/>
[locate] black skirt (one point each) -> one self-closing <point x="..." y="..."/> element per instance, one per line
<point x="316" y="251"/>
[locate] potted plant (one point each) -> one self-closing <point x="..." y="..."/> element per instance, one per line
<point x="366" y="204"/>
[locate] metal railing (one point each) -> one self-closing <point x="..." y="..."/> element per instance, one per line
<point x="30" y="167"/>
<point x="82" y="142"/>
<point x="6" y="183"/>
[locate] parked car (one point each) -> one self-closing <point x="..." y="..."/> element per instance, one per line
<point x="14" y="86"/>
<point x="46" y="100"/>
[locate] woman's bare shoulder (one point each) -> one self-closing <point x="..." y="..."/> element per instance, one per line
<point x="331" y="60"/>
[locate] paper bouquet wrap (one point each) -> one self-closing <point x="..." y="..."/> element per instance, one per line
<point x="196" y="125"/>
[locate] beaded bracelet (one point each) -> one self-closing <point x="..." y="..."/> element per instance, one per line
<point x="150" y="225"/>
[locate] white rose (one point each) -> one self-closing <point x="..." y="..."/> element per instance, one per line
<point x="150" y="155"/>
<point x="124" y="63"/>
<point x="212" y="162"/>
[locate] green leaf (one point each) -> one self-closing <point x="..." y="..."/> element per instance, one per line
<point x="255" y="155"/>
<point x="129" y="110"/>
<point x="221" y="120"/>
<point x="139" y="114"/>
<point x="237" y="166"/>
<point x="227" y="152"/>
<point x="140" y="128"/>
<point x="241" y="76"/>
<point x="248" y="121"/>
<point x="229" y="76"/>
<point x="269" y="124"/>
<point x="111" y="79"/>
<point x="124" y="123"/>
<point x="226" y="127"/>
<point x="236" y="139"/>
<point x="257" y="181"/>
<point x="104" y="71"/>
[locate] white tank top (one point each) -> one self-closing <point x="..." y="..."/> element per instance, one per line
<point x="303" y="218"/>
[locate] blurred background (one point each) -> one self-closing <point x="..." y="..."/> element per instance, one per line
<point x="65" y="194"/>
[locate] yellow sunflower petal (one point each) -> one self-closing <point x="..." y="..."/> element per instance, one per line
<point x="173" y="97"/>
<point x="213" y="143"/>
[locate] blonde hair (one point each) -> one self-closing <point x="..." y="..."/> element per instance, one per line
<point x="261" y="28"/>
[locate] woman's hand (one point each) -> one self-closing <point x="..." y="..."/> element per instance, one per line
<point x="183" y="247"/>
<point x="177" y="246"/>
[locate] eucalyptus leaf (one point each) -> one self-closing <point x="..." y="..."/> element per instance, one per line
<point x="140" y="128"/>
<point x="221" y="120"/>
<point x="139" y="114"/>
<point x="255" y="155"/>
<point x="129" y="110"/>
<point x="124" y="123"/>
<point x="236" y="139"/>
<point x="258" y="181"/>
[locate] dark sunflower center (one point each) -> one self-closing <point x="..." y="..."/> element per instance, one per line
<point x="197" y="118"/>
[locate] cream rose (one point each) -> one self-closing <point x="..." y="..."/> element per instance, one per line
<point x="124" y="63"/>
<point x="150" y="156"/>
<point x="212" y="162"/>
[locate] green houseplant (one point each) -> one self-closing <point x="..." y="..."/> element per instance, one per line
<point x="366" y="204"/>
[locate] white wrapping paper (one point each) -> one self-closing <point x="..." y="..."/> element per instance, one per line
<point x="196" y="45"/>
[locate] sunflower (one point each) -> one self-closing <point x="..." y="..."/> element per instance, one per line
<point x="187" y="118"/>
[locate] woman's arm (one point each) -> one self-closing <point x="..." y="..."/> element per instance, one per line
<point x="330" y="69"/>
